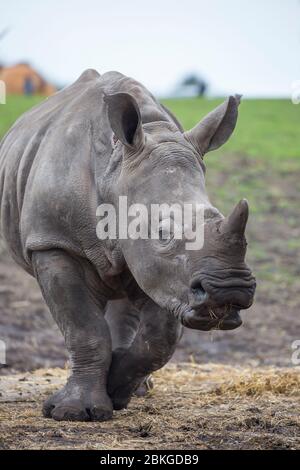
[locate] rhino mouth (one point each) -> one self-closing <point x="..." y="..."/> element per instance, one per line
<point x="226" y="317"/>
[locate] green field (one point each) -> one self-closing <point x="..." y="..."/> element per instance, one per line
<point x="14" y="107"/>
<point x="261" y="162"/>
<point x="266" y="128"/>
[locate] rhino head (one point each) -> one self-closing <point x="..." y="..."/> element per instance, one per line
<point x="204" y="288"/>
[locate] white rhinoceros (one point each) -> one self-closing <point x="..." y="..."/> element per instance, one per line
<point x="101" y="138"/>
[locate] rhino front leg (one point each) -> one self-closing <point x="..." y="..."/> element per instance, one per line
<point x="65" y="287"/>
<point x="123" y="320"/>
<point x="152" y="347"/>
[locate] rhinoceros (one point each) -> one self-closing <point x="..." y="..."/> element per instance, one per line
<point x="120" y="303"/>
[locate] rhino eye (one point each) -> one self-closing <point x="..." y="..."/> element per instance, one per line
<point x="166" y="237"/>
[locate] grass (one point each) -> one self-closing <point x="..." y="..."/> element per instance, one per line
<point x="265" y="129"/>
<point x="14" y="107"/>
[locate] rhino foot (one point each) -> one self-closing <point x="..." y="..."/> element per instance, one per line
<point x="123" y="379"/>
<point x="145" y="387"/>
<point x="78" y="402"/>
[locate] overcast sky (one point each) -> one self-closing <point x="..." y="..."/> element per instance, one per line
<point x="246" y="46"/>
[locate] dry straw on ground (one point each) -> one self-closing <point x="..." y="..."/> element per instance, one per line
<point x="191" y="407"/>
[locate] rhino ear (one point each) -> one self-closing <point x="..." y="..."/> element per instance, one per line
<point x="125" y="119"/>
<point x="216" y="128"/>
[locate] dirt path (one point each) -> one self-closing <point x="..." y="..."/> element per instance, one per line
<point x="191" y="407"/>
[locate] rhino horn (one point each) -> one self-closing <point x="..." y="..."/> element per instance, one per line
<point x="237" y="220"/>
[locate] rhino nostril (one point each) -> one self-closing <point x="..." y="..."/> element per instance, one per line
<point x="196" y="285"/>
<point x="198" y="292"/>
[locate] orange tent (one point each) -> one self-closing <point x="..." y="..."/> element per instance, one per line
<point x="22" y="79"/>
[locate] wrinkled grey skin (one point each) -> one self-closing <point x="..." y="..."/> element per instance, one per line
<point x="102" y="137"/>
